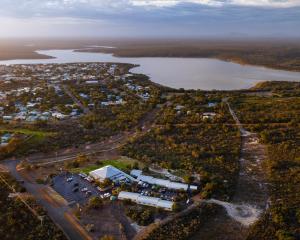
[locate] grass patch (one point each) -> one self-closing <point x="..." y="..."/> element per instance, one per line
<point x="122" y="163"/>
<point x="28" y="132"/>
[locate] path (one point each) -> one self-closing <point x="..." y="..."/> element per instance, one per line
<point x="251" y="186"/>
<point x="75" y="99"/>
<point x="248" y="203"/>
<point x="251" y="194"/>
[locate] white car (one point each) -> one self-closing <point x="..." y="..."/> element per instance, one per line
<point x="69" y="179"/>
<point x="89" y="179"/>
<point x="106" y="195"/>
<point x="84" y="189"/>
<point x="83" y="175"/>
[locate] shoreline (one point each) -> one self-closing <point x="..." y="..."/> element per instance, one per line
<point x="237" y="61"/>
<point x="41" y="55"/>
<point x="116" y="52"/>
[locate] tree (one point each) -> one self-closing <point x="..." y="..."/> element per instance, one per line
<point x="189" y="179"/>
<point x="107" y="237"/>
<point x="106" y="183"/>
<point x="95" y="203"/>
<point x="176" y="207"/>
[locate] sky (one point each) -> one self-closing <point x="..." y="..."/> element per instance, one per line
<point x="150" y="18"/>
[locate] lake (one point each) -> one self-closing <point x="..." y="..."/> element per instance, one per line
<point x="187" y="73"/>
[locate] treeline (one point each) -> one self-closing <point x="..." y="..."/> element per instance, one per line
<point x="18" y="222"/>
<point x="276" y="54"/>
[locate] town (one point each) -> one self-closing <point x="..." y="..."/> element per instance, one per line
<point x="59" y="92"/>
<point x="108" y="154"/>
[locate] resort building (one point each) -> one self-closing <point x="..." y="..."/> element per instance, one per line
<point x="112" y="173"/>
<point x="161" y="182"/>
<point x="145" y="200"/>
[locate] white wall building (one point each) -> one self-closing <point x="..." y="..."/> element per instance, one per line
<point x="145" y="200"/>
<point x="111" y="173"/>
<point x="161" y="182"/>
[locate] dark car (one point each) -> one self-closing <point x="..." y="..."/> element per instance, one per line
<point x="75" y="189"/>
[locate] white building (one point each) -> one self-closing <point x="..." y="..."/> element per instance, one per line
<point x="145" y="200"/>
<point x="112" y="173"/>
<point x="92" y="82"/>
<point x="208" y="115"/>
<point x="161" y="182"/>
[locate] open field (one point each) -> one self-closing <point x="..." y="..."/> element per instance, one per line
<point x="122" y="163"/>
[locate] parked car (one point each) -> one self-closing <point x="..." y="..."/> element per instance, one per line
<point x="106" y="195"/>
<point x="83" y="175"/>
<point x="70" y="179"/>
<point x="88" y="193"/>
<point x="84" y="189"/>
<point x="89" y="179"/>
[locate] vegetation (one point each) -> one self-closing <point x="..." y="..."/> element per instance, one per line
<point x="95" y="203"/>
<point x="141" y="215"/>
<point x="123" y="163"/>
<point x="273" y="54"/>
<point x="184" y="225"/>
<point x="107" y="237"/>
<point x="279" y="129"/>
<point x="209" y="148"/>
<point x="18" y="222"/>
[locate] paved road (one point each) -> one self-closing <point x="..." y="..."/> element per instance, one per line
<point x="56" y="207"/>
<point x="113" y="143"/>
<point x="75" y="99"/>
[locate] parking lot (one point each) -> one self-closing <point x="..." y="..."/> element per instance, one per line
<point x="163" y="193"/>
<point x="74" y="188"/>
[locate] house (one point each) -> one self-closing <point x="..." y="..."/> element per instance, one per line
<point x="112" y="173"/>
<point x="83" y="95"/>
<point x="7" y="118"/>
<point x="145" y="200"/>
<point x="31" y="104"/>
<point x="92" y="82"/>
<point x="5" y="138"/>
<point x="179" y="107"/>
<point x="58" y="115"/>
<point x="212" y="104"/>
<point x="208" y="115"/>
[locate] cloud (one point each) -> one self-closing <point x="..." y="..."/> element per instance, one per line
<point x="257" y="3"/>
<point x="168" y="3"/>
<point x="151" y="17"/>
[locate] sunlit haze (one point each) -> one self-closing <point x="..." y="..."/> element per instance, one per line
<point x="150" y="18"/>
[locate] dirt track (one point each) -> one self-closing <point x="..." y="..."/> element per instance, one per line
<point x="250" y="197"/>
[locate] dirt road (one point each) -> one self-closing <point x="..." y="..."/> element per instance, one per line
<point x="251" y="195"/>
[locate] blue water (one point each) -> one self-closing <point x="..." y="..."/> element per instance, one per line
<point x="188" y="73"/>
